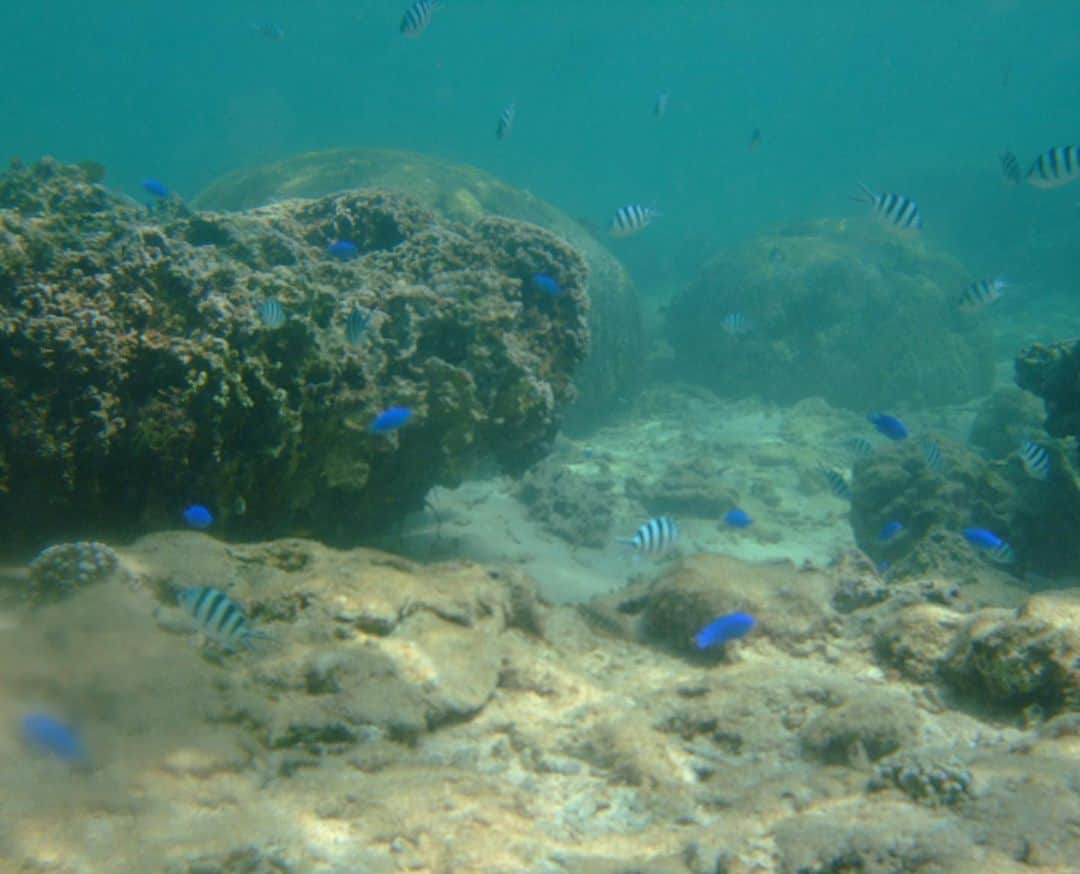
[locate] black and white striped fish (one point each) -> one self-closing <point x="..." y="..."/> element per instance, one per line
<point x="1001" y="554"/>
<point x="418" y="16"/>
<point x="838" y="483"/>
<point x="272" y="313"/>
<point x="1057" y="167"/>
<point x="982" y="293"/>
<point x="899" y="211"/>
<point x="655" y="537"/>
<point x="356" y="325"/>
<point x="660" y="106"/>
<point x="735" y="325"/>
<point x="219" y="617"/>
<point x="1010" y="168"/>
<point x="505" y="127"/>
<point x="630" y="219"/>
<point x="1036" y="460"/>
<point x="859" y="447"/>
<point x="932" y="454"/>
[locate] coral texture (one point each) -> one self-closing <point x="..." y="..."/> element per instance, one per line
<point x="138" y="376"/>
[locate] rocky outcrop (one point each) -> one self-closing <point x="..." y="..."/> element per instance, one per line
<point x="1053" y="373"/>
<point x="465" y="194"/>
<point x="138" y="375"/>
<point x="842" y="310"/>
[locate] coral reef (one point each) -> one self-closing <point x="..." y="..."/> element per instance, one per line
<point x="1053" y="373"/>
<point x="843" y="310"/>
<point x="466" y="194"/>
<point x="1005" y="420"/>
<point x="60" y="570"/>
<point x="443" y="718"/>
<point x="138" y="375"/>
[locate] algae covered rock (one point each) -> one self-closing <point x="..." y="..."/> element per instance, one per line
<point x="844" y="310"/>
<point x="466" y="194"/>
<point x="1053" y="373"/>
<point x="138" y="374"/>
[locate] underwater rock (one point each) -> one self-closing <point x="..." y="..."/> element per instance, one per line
<point x="1053" y="373"/>
<point x="1005" y="420"/>
<point x="60" y="570"/>
<point x="461" y="193"/>
<point x="1026" y="661"/>
<point x="871" y="725"/>
<point x="139" y="375"/>
<point x="840" y="309"/>
<point x="917" y="640"/>
<point x="575" y="506"/>
<point x="691" y="486"/>
<point x="941" y="780"/>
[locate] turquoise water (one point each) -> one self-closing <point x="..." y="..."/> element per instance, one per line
<point x="906" y="96"/>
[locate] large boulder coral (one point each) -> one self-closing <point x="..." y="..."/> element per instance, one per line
<point x="136" y="374"/>
<point x="844" y="310"/>
<point x="466" y="194"/>
<point x="1053" y="373"/>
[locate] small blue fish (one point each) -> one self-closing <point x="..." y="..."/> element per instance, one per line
<point x="356" y="325"/>
<point x="158" y="189"/>
<point x="272" y="313"/>
<point x="988" y="541"/>
<point x="738" y="519"/>
<point x="888" y="425"/>
<point x="49" y="735"/>
<point x="219" y="617"/>
<point x="198" y="516"/>
<point x="889" y="530"/>
<point x="343" y="250"/>
<point x="547" y="284"/>
<point x="724" y="630"/>
<point x="390" y="420"/>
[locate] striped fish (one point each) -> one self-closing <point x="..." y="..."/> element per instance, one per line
<point x="505" y="127"/>
<point x="660" y="105"/>
<point x="356" y="325"/>
<point x="859" y="447"/>
<point x="735" y="325"/>
<point x="838" y="483"/>
<point x="1001" y="554"/>
<point x="1036" y="460"/>
<point x="981" y="293"/>
<point x="899" y="211"/>
<point x="272" y="313"/>
<point x="631" y="219"/>
<point x="1057" y="167"/>
<point x="932" y="454"/>
<point x="418" y="16"/>
<point x="219" y="617"/>
<point x="1010" y="168"/>
<point x="655" y="537"/>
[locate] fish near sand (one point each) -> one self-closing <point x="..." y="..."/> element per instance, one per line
<point x="52" y="736"/>
<point x="987" y="541"/>
<point x="738" y="519"/>
<point x="655" y="537"/>
<point x="219" y="617"/>
<point x="198" y="516"/>
<point x="723" y="630"/>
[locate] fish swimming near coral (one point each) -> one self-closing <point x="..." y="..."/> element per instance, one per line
<point x="894" y="209"/>
<point x="888" y="425"/>
<point x="220" y="618"/>
<point x="981" y="294"/>
<point x="47" y="734"/>
<point x="859" y="447"/>
<point x="198" y="516"/>
<point x="154" y="187"/>
<point x="890" y="531"/>
<point x="738" y="519"/>
<point x="343" y="250"/>
<point x="547" y="284"/>
<point x="1036" y="460"/>
<point x="932" y="454"/>
<point x="505" y="125"/>
<point x="356" y="325"/>
<point x="1054" y="168"/>
<point x="837" y="482"/>
<point x="654" y="537"/>
<point x="272" y="313"/>
<point x="390" y="420"/>
<point x="418" y="16"/>
<point x="987" y="541"/>
<point x="631" y="219"/>
<point x="724" y="629"/>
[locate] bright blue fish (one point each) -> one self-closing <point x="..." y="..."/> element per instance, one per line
<point x="155" y="188"/>
<point x="738" y="519"/>
<point x="198" y="516"/>
<point x="390" y="420"/>
<point x="724" y="630"/>
<point x="343" y="250"/>
<point x="888" y="425"/>
<point x="50" y="735"/>
<point x="547" y="284"/>
<point x="889" y="530"/>
<point x="982" y="538"/>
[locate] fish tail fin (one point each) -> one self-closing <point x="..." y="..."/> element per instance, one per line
<point x="865" y="195"/>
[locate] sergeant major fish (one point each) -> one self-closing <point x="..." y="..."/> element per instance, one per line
<point x="631" y="219"/>
<point x="981" y="293"/>
<point x="655" y="537"/>
<point x="1036" y="460"/>
<point x="418" y="16"/>
<point x="219" y="617"/>
<point x="895" y="209"/>
<point x="1056" y="167"/>
<point x="505" y="127"/>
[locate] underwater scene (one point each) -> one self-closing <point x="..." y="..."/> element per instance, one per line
<point x="460" y="436"/>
